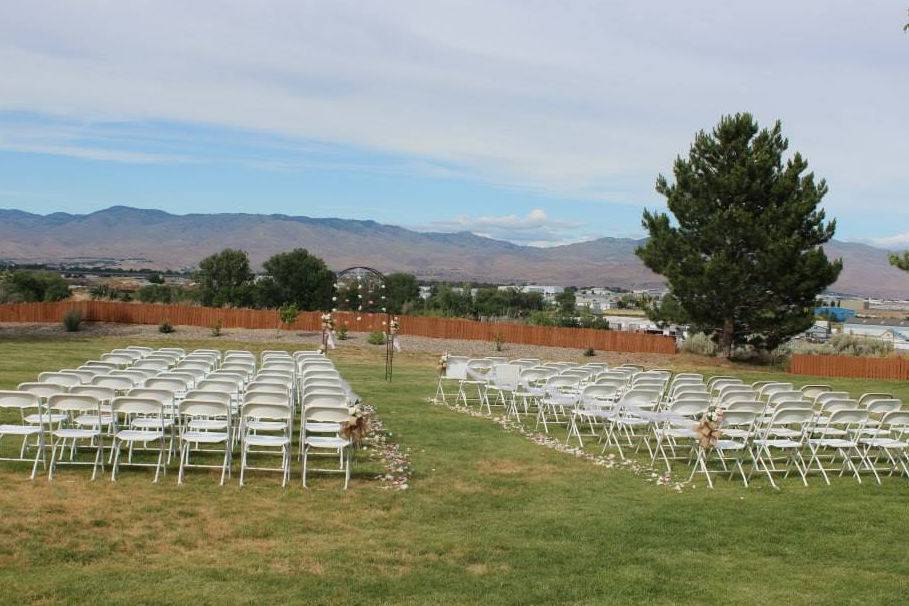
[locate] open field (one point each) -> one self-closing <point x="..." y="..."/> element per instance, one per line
<point x="489" y="518"/>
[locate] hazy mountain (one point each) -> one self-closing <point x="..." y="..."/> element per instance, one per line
<point x="130" y="237"/>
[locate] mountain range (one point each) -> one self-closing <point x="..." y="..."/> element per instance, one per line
<point x="139" y="238"/>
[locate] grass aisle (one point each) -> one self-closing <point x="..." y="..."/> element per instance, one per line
<point x="489" y="518"/>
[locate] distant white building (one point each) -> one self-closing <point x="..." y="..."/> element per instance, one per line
<point x="549" y="292"/>
<point x="894" y="331"/>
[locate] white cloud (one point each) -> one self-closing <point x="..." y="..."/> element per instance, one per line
<point x="586" y="99"/>
<point x="895" y="242"/>
<point x="536" y="228"/>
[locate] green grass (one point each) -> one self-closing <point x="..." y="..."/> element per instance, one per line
<point x="490" y="518"/>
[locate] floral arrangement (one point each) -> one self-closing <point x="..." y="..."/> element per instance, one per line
<point x="443" y="364"/>
<point x="356" y="427"/>
<point x="708" y="428"/>
<point x="328" y="322"/>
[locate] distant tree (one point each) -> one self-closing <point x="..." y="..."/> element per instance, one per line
<point x="665" y="311"/>
<point x="400" y="289"/>
<point x="567" y="301"/>
<point x="297" y="278"/>
<point x="901" y="260"/>
<point x="225" y="278"/>
<point x="743" y="255"/>
<point x="155" y="278"/>
<point x="24" y="286"/>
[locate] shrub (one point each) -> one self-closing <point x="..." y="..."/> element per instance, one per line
<point x="376" y="338"/>
<point x="590" y="352"/>
<point x="216" y="329"/>
<point x="700" y="344"/>
<point x="72" y="320"/>
<point x="165" y="327"/>
<point x="341" y="333"/>
<point x="288" y="313"/>
<point x="499" y="342"/>
<point x="841" y="345"/>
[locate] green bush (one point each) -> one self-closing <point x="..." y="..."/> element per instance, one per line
<point x="26" y="286"/>
<point x="590" y="352"/>
<point x="288" y="313"/>
<point x="72" y="320"/>
<point x="700" y="344"/>
<point x="376" y="338"/>
<point x="165" y="327"/>
<point x="341" y="333"/>
<point x="840" y="345"/>
<point x="216" y="329"/>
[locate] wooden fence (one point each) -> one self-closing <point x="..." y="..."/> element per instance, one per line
<point x="894" y="367"/>
<point x="440" y="328"/>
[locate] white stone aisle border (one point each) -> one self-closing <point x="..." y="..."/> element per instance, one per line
<point x="394" y="458"/>
<point x="609" y="461"/>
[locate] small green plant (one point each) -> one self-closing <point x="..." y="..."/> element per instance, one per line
<point x="589" y="352"/>
<point x="216" y="328"/>
<point x="376" y="338"/>
<point x="700" y="344"/>
<point x="165" y="327"/>
<point x="72" y="320"/>
<point x="341" y="333"/>
<point x="499" y="342"/>
<point x="288" y="313"/>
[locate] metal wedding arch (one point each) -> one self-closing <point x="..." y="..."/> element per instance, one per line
<point x="361" y="289"/>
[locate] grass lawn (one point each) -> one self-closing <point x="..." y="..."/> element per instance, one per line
<point x="490" y="518"/>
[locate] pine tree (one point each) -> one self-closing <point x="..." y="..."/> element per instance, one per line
<point x="743" y="256"/>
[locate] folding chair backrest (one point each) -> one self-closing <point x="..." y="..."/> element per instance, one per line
<point x="118" y="383"/>
<point x="322" y="399"/>
<point x="506" y="375"/>
<point x="328" y="390"/>
<point x="268" y="386"/>
<point x="898" y="419"/>
<point x="289" y="365"/>
<point x="215" y="396"/>
<point x="193" y="365"/>
<point x="262" y="410"/>
<point x="640" y="397"/>
<point x="535" y="376"/>
<point x="218" y="385"/>
<point x="527" y="362"/>
<point x="232" y="376"/>
<point x="73" y="402"/>
<point x="138" y="406"/>
<point x="754" y="406"/>
<point x="136" y="376"/>
<point x="874" y="396"/>
<point x="478" y="368"/>
<point x="689" y="408"/>
<point x="168" y="384"/>
<point x="813" y="391"/>
<point x="166" y="397"/>
<point x="247" y="369"/>
<point x="141" y="349"/>
<point x="158" y="365"/>
<point x="103" y="394"/>
<point x="100" y="364"/>
<point x="689" y="375"/>
<point x="117" y="359"/>
<point x="843" y="404"/>
<point x="739" y="418"/>
<point x="771" y="388"/>
<point x="878" y="407"/>
<point x="831" y="395"/>
<point x="202" y="407"/>
<point x="176" y="350"/>
<point x="325" y="414"/>
<point x="712" y="381"/>
<point x="21" y="400"/>
<point x="85" y="376"/>
<point x="61" y="378"/>
<point x="786" y="396"/>
<point x="740" y="391"/>
<point x="266" y="397"/>
<point x="599" y="392"/>
<point x="130" y="353"/>
<point x="43" y="390"/>
<point x="456" y="367"/>
<point x="852" y="417"/>
<point x="94" y="371"/>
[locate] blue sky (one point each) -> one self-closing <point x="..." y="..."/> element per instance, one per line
<point x="541" y="122"/>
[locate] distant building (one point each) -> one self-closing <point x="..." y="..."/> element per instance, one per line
<point x="837" y="314"/>
<point x="895" y="331"/>
<point x="549" y="292"/>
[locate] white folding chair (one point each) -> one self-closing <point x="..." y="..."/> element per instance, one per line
<point x="205" y="422"/>
<point x="76" y="406"/>
<point x="147" y="413"/>
<point x="29" y="409"/>
<point x="314" y="416"/>
<point x="266" y="427"/>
